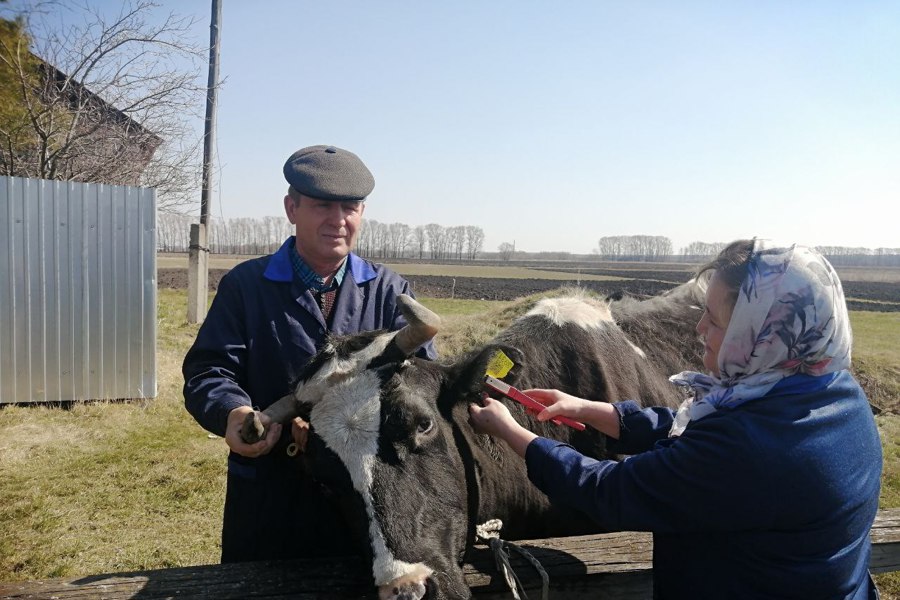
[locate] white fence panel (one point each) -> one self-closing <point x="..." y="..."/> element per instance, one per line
<point x="77" y="291"/>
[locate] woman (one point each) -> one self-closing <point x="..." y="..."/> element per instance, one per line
<point x="765" y="482"/>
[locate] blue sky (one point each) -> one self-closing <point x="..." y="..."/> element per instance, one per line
<point x="554" y="124"/>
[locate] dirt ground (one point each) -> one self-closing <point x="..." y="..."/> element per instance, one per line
<point x="862" y="295"/>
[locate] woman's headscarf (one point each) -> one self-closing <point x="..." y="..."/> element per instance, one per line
<point x="790" y="317"/>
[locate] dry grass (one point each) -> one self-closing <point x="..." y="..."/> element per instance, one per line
<point x="105" y="487"/>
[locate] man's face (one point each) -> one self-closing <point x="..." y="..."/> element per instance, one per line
<point x="326" y="229"/>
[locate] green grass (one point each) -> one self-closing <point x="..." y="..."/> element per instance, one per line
<point x="113" y="486"/>
<point x="876" y="356"/>
<point x="879" y="334"/>
<point x="455" y="307"/>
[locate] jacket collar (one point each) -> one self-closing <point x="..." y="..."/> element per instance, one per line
<point x="281" y="269"/>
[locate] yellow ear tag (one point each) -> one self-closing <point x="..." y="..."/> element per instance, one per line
<point x="499" y="365"/>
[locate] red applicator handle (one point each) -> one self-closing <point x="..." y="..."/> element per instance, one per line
<point x="509" y="391"/>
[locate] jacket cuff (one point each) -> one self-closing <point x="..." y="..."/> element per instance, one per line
<point x="224" y="409"/>
<point x="623" y="410"/>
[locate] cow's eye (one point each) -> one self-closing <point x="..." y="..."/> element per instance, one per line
<point x="424" y="426"/>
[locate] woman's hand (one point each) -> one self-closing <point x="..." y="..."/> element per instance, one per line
<point x="492" y="418"/>
<point x="495" y="420"/>
<point x="599" y="415"/>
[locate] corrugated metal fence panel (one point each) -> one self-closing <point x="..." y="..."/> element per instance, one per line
<point x="77" y="291"/>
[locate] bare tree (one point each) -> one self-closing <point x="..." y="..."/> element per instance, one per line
<point x="107" y="100"/>
<point x="380" y="240"/>
<point x="474" y="241"/>
<point x="364" y="239"/>
<point x="506" y="251"/>
<point x="703" y="249"/>
<point x="436" y="239"/>
<point x="634" y="247"/>
<point x="398" y="239"/>
<point x="419" y="240"/>
<point x="172" y="232"/>
<point x="456" y="240"/>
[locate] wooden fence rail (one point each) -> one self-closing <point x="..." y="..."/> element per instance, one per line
<point x="612" y="566"/>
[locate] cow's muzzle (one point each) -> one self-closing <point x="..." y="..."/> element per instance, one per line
<point x="415" y="586"/>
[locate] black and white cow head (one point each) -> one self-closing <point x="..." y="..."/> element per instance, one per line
<point x="385" y="449"/>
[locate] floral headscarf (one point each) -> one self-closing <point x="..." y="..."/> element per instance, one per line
<point x="790" y="317"/>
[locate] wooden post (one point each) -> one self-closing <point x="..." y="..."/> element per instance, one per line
<point x="198" y="274"/>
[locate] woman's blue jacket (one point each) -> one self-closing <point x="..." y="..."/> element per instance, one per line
<point x="773" y="499"/>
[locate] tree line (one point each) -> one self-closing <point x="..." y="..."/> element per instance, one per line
<point x="646" y="247"/>
<point x="432" y="241"/>
<point x="240" y="235"/>
<point x="264" y="235"/>
<point x="659" y="248"/>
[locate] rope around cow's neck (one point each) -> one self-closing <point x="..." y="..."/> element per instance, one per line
<point x="489" y="532"/>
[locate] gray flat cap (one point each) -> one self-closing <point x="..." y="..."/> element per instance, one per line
<point x="328" y="173"/>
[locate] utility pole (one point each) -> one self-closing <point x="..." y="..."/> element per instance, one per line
<point x="198" y="257"/>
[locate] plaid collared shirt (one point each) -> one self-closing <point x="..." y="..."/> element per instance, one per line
<point x="309" y="277"/>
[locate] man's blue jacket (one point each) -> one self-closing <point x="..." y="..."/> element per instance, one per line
<point x="772" y="499"/>
<point x="264" y="325"/>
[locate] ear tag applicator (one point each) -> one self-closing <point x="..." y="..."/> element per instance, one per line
<point x="499" y="366"/>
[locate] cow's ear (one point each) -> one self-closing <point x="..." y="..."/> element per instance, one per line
<point x="469" y="381"/>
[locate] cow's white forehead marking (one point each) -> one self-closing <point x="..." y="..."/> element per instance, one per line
<point x="336" y="369"/>
<point x="348" y="418"/>
<point x="355" y="361"/>
<point x="578" y="310"/>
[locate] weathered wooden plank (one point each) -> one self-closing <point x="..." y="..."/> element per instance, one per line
<point x="341" y="578"/>
<point x="614" y="566"/>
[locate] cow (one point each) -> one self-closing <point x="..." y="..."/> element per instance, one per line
<point x="390" y="435"/>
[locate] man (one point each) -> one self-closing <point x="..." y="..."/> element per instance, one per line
<point x="269" y="316"/>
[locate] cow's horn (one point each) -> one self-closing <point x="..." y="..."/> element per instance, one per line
<point x="422" y="325"/>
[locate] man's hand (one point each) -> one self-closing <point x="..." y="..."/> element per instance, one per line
<point x="233" y="433"/>
<point x="495" y="420"/>
<point x="300" y="432"/>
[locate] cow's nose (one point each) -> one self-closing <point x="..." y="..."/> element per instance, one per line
<point x="406" y="589"/>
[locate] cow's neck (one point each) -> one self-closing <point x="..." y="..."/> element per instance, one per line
<point x="498" y="486"/>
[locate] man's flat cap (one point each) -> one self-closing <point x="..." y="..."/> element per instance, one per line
<point x="328" y="173"/>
